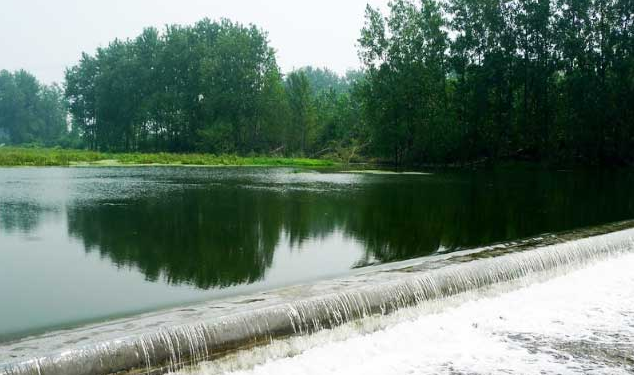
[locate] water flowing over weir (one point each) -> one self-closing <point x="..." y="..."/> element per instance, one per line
<point x="168" y="342"/>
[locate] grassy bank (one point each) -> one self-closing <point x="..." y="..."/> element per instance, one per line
<point x="16" y="156"/>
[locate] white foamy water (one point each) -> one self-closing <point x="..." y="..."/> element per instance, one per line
<point x="579" y="323"/>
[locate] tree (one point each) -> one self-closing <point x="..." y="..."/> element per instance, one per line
<point x="301" y="131"/>
<point x="29" y="111"/>
<point x="406" y="92"/>
<point x="210" y="87"/>
<point x="443" y="81"/>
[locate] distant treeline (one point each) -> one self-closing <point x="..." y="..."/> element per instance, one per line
<point x="31" y="112"/>
<point x="442" y="82"/>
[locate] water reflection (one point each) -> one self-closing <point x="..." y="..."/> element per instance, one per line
<point x="208" y="238"/>
<point x="79" y="245"/>
<point x="19" y="217"/>
<point x="223" y="234"/>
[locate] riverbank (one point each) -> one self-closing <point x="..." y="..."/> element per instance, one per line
<point x="18" y="156"/>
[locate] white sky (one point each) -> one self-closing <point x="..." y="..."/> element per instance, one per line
<point x="46" y="36"/>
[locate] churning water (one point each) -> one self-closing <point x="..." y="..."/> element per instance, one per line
<point x="579" y="323"/>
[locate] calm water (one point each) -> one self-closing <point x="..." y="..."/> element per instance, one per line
<point x="79" y="245"/>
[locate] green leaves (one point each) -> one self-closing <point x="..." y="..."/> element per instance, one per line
<point x="405" y="98"/>
<point x="181" y="90"/>
<point x="443" y="81"/>
<point x="546" y="80"/>
<point x="30" y="113"/>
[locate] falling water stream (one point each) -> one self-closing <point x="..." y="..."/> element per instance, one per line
<point x="581" y="322"/>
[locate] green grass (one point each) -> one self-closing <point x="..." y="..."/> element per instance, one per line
<point x="17" y="156"/>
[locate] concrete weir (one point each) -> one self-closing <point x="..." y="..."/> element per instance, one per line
<point x="166" y="341"/>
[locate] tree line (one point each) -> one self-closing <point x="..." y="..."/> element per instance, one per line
<point x="31" y="112"/>
<point x="442" y="81"/>
<point x="462" y="80"/>
<point x="212" y="87"/>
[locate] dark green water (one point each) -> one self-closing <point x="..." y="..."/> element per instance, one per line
<point x="79" y="245"/>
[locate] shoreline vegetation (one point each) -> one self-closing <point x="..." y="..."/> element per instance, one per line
<point x="441" y="83"/>
<point x="28" y="156"/>
<point x="49" y="157"/>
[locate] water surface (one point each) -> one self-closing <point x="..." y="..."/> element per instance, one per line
<point x="85" y="244"/>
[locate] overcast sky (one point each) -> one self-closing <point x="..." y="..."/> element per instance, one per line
<point x="46" y="36"/>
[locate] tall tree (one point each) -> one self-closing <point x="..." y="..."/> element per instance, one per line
<point x="210" y="86"/>
<point x="301" y="131"/>
<point x="406" y="94"/>
<point x="30" y="112"/>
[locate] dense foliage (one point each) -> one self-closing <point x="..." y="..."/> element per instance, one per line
<point x="472" y="79"/>
<point x="443" y="81"/>
<point x="31" y="112"/>
<point x="212" y="87"/>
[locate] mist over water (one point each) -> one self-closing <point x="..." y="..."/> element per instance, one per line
<point x="116" y="241"/>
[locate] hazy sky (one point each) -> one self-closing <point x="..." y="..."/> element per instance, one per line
<point x="46" y="36"/>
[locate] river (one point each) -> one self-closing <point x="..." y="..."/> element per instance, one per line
<point x="80" y="245"/>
